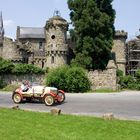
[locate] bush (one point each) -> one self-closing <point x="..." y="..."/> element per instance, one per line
<point x="2" y="84"/>
<point x="119" y="73"/>
<point x="137" y="75"/>
<point x="5" y="66"/>
<point x="70" y="79"/>
<point x="128" y="82"/>
<point x="76" y="80"/>
<point x="26" y="69"/>
<point x="57" y="78"/>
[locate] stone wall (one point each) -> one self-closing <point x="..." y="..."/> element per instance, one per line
<point x="100" y="79"/>
<point x="17" y="80"/>
<point x="103" y="79"/>
<point x="106" y="79"/>
<point x="9" y="49"/>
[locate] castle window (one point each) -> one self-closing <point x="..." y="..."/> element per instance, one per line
<point x="40" y="46"/>
<point x="53" y="36"/>
<point x="42" y="64"/>
<point x="52" y="59"/>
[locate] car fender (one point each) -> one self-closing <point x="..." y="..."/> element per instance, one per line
<point x="18" y="91"/>
<point x="61" y="91"/>
<point x="51" y="93"/>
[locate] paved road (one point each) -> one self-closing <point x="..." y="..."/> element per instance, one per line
<point x="124" y="105"/>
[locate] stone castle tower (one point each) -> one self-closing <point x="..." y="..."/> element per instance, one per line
<point x="1" y="34"/>
<point x="56" y="45"/>
<point x="119" y="50"/>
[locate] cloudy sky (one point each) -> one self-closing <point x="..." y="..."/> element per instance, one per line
<point x="34" y="13"/>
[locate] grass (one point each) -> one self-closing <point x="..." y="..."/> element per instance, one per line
<point x="102" y="91"/>
<point x="9" y="87"/>
<point x="25" y="125"/>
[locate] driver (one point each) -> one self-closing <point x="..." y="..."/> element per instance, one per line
<point x="25" y="86"/>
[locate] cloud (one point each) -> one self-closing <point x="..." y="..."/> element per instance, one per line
<point x="8" y="23"/>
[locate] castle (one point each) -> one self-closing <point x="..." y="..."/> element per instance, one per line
<point x="49" y="46"/>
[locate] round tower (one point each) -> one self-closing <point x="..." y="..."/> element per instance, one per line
<point x="56" y="41"/>
<point x="119" y="49"/>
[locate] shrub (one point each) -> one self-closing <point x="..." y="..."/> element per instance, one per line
<point x="137" y="75"/>
<point x="70" y="79"/>
<point x="5" y="66"/>
<point x="128" y="82"/>
<point x="2" y="84"/>
<point x="76" y="80"/>
<point x="56" y="77"/>
<point x="26" y="69"/>
<point x="119" y="73"/>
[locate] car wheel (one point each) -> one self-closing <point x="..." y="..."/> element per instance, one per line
<point x="17" y="98"/>
<point x="48" y="100"/>
<point x="61" y="97"/>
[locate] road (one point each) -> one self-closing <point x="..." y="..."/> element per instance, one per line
<point x="124" y="105"/>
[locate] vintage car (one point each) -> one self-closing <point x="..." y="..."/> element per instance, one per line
<point x="49" y="95"/>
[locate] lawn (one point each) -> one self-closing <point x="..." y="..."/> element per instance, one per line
<point x="26" y="125"/>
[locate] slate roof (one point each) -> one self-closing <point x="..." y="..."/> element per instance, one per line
<point x="31" y="32"/>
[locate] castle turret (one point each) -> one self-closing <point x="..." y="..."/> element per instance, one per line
<point x="1" y="34"/>
<point x="56" y="41"/>
<point x="119" y="49"/>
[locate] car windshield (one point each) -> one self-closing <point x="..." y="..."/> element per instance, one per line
<point x="35" y="84"/>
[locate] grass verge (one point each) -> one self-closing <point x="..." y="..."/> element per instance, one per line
<point x="102" y="91"/>
<point x="9" y="88"/>
<point x="25" y="125"/>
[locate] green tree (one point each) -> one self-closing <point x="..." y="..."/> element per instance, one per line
<point x="93" y="22"/>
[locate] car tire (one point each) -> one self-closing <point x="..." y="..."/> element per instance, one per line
<point x="48" y="100"/>
<point x="17" y="98"/>
<point x="62" y="97"/>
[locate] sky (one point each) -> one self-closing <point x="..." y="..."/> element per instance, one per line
<point x="35" y="13"/>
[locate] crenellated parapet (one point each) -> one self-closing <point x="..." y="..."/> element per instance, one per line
<point x="121" y="34"/>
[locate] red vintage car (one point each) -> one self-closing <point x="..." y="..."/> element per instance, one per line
<point x="49" y="95"/>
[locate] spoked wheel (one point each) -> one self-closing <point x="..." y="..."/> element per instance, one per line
<point x="17" y="98"/>
<point x="61" y="97"/>
<point x="49" y="100"/>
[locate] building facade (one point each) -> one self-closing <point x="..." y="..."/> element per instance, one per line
<point x="43" y="47"/>
<point x="49" y="46"/>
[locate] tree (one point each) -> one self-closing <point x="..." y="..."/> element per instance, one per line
<point x="93" y="22"/>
